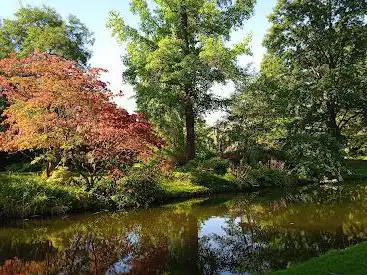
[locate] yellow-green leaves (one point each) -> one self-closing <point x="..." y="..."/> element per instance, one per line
<point x="45" y="30"/>
<point x="217" y="54"/>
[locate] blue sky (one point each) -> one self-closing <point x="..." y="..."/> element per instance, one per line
<point x="106" y="51"/>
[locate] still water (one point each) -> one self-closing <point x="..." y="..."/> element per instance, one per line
<point x="233" y="234"/>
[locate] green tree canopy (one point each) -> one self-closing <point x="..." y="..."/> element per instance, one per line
<point x="44" y="29"/>
<point x="311" y="94"/>
<point x="323" y="45"/>
<point x="178" y="52"/>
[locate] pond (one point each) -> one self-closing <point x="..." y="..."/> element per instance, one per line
<point x="230" y="234"/>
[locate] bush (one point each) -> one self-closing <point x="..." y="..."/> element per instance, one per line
<point x="103" y="192"/>
<point x="214" y="182"/>
<point x="139" y="188"/>
<point x="61" y="175"/>
<point x="265" y="177"/>
<point x="215" y="165"/>
<point x="27" y="195"/>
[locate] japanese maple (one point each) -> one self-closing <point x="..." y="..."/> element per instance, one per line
<point x="66" y="113"/>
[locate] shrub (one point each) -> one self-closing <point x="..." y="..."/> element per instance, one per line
<point x="61" y="175"/>
<point x="214" y="182"/>
<point x="216" y="165"/>
<point x="265" y="177"/>
<point x="139" y="188"/>
<point x="103" y="192"/>
<point x="28" y="195"/>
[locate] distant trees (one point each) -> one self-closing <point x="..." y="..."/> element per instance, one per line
<point x="45" y="30"/>
<point x="65" y="112"/>
<point x="176" y="55"/>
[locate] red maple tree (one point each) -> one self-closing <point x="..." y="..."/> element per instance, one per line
<point x="66" y="113"/>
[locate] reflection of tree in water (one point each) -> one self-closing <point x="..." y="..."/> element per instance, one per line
<point x="255" y="249"/>
<point x="159" y="242"/>
<point x="259" y="233"/>
<point x="275" y="234"/>
<point x="89" y="254"/>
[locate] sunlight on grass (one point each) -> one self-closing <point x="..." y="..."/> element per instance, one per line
<point x="349" y="261"/>
<point x="181" y="184"/>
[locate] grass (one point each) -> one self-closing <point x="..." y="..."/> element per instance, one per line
<point x="181" y="185"/>
<point x="186" y="184"/>
<point x="352" y="261"/>
<point x="24" y="195"/>
<point x="27" y="195"/>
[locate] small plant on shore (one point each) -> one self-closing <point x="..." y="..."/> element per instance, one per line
<point x="139" y="188"/>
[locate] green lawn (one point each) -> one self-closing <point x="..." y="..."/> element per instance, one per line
<point x="351" y="261"/>
<point x="182" y="185"/>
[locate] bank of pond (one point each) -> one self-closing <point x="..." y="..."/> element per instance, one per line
<point x="257" y="232"/>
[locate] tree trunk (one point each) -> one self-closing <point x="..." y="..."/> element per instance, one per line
<point x="190" y="129"/>
<point x="331" y="120"/>
<point x="188" y="100"/>
<point x="48" y="169"/>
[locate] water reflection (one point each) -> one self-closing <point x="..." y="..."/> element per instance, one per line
<point x="250" y="234"/>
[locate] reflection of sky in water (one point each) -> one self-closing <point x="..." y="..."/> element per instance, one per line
<point x="133" y="237"/>
<point x="216" y="226"/>
<point x="213" y="225"/>
<point x="121" y="267"/>
<point x="124" y="265"/>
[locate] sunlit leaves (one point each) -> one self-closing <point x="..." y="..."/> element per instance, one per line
<point x="178" y="52"/>
<point x="45" y="30"/>
<point x="57" y="107"/>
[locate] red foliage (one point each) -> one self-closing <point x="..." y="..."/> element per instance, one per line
<point x="56" y="105"/>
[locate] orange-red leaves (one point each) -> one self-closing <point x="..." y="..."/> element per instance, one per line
<point x="57" y="105"/>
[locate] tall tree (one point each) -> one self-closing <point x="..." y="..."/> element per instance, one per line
<point x="323" y="45"/>
<point x="44" y="29"/>
<point x="178" y="52"/>
<point x="311" y="93"/>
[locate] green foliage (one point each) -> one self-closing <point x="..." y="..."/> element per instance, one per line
<point x="349" y="261"/>
<point x="314" y="157"/>
<point x="103" y="191"/>
<point x="27" y="195"/>
<point x="309" y="99"/>
<point x="61" y="175"/>
<point x="265" y="177"/>
<point x="215" y="165"/>
<point x="246" y="176"/>
<point x="44" y="29"/>
<point x="139" y="188"/>
<point x="176" y="55"/>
